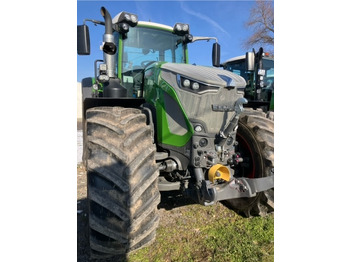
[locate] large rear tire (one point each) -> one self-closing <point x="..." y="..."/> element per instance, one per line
<point x="122" y="181"/>
<point x="255" y="136"/>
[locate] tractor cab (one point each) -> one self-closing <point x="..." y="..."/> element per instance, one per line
<point x="144" y="45"/>
<point x="259" y="75"/>
<point x="130" y="46"/>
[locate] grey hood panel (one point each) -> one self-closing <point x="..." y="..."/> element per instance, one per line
<point x="209" y="75"/>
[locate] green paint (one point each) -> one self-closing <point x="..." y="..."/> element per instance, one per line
<point x="186" y="54"/>
<point x="272" y="106"/>
<point x="120" y="57"/>
<point x="154" y="94"/>
<point x="154" y="89"/>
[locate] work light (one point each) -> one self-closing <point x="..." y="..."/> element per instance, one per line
<point x="124" y="17"/>
<point x="181" y="29"/>
<point x="123" y="28"/>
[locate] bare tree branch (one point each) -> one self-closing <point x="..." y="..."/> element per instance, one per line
<point x="261" y="22"/>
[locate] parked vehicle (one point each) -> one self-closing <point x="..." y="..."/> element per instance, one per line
<point x="155" y="123"/>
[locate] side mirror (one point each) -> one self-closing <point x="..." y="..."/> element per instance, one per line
<point x="250" y="61"/>
<point x="216" y="55"/>
<point x="83" y="40"/>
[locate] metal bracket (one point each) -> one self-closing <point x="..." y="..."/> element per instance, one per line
<point x="260" y="184"/>
<point x="236" y="188"/>
<point x="244" y="187"/>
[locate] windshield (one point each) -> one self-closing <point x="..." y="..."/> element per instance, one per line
<point x="142" y="47"/>
<point x="239" y="67"/>
<point x="268" y="65"/>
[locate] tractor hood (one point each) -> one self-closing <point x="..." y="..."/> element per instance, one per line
<point x="208" y="75"/>
<point x="208" y="98"/>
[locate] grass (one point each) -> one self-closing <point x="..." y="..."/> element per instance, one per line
<point x="213" y="233"/>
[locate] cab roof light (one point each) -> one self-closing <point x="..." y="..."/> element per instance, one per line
<point x="181" y="29"/>
<point x="125" y="17"/>
<point x="122" y="28"/>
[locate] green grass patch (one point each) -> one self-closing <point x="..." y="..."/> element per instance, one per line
<point x="213" y="233"/>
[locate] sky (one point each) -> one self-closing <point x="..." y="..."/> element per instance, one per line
<point x="221" y="19"/>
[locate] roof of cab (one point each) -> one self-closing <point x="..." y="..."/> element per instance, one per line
<point x="241" y="57"/>
<point x="152" y="24"/>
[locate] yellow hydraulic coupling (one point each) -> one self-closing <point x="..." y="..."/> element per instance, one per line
<point x="219" y="172"/>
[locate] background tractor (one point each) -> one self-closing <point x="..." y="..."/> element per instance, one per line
<point x="155" y="123"/>
<point x="258" y="71"/>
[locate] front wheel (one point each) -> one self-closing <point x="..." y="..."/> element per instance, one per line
<point x="122" y="181"/>
<point x="255" y="137"/>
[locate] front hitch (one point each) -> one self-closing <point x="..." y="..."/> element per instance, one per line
<point x="244" y="187"/>
<point x="209" y="192"/>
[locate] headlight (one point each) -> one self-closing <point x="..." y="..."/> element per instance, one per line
<point x="186" y="83"/>
<point x="194" y="86"/>
<point x="198" y="128"/>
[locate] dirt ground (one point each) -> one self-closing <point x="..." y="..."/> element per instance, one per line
<point x="82" y="216"/>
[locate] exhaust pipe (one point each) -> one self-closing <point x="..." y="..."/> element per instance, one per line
<point x="109" y="47"/>
<point x="108" y="21"/>
<point x="112" y="88"/>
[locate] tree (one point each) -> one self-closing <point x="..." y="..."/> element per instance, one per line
<point x="261" y="22"/>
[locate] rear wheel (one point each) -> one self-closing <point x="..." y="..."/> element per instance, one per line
<point x="270" y="115"/>
<point x="255" y="137"/>
<point x="122" y="181"/>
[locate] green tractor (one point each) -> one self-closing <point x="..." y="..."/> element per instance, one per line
<point x="258" y="71"/>
<point x="155" y="123"/>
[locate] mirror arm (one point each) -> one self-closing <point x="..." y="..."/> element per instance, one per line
<point x="94" y="21"/>
<point x="198" y="38"/>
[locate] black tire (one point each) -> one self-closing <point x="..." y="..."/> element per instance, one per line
<point x="255" y="136"/>
<point x="270" y="115"/>
<point x="255" y="112"/>
<point x="122" y="181"/>
<point x="86" y="92"/>
<point x="259" y="112"/>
